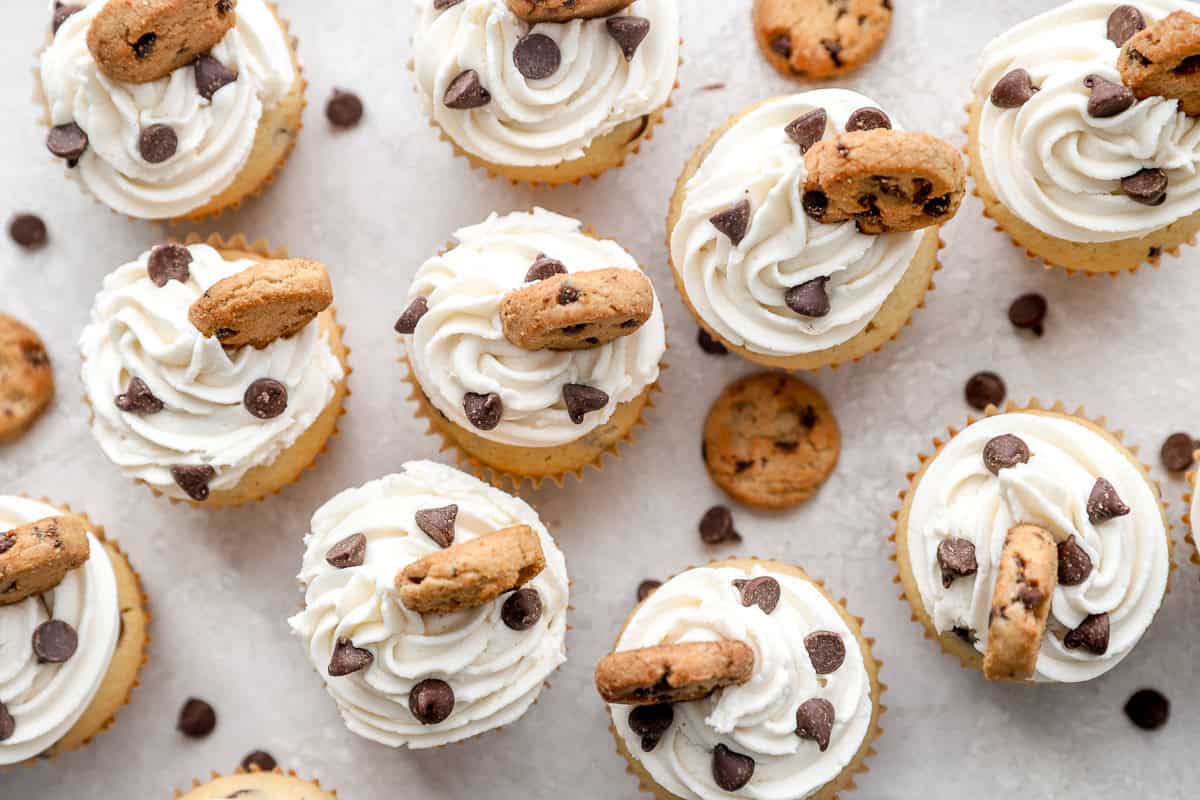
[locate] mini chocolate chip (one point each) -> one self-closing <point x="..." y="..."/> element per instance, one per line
<point x="814" y="720"/>
<point x="716" y="526"/>
<point x="581" y="400"/>
<point x="868" y="119"/>
<point x="431" y="701"/>
<point x="7" y="542"/>
<point x="809" y="299"/>
<point x="568" y="294"/>
<point x="143" y="48"/>
<point x="985" y="389"/>
<point x="644" y="590"/>
<point x="544" y="267"/>
<point x="1108" y="97"/>
<point x="412" y="315"/>
<point x="628" y="32"/>
<point x="731" y="770"/>
<point x="762" y="591"/>
<point x="1189" y="66"/>
<point x="194" y="479"/>
<point x="937" y="207"/>
<point x="1004" y="452"/>
<point x="537" y="56"/>
<point x="67" y="141"/>
<point x="1104" y="503"/>
<point x="1148" y="709"/>
<point x="1091" y="635"/>
<point x="8" y="725"/>
<point x="1028" y="312"/>
<point x="349" y="552"/>
<point x="834" y="48"/>
<point x="54" y="642"/>
<point x="733" y="221"/>
<point x="197" y="719"/>
<point x="956" y="557"/>
<point x="1030" y="597"/>
<point x="344" y="109"/>
<point x="815" y="203"/>
<point x="781" y="45"/>
<point x="138" y="399"/>
<point x="169" y="262"/>
<point x="1013" y="90"/>
<point x="27" y="230"/>
<point x="62" y="12"/>
<point x="483" y="410"/>
<point x="259" y="759"/>
<point x="1178" y="451"/>
<point x="1074" y="564"/>
<point x="709" y="344"/>
<point x="1148" y="187"/>
<point x="266" y="398"/>
<point x="158" y="143"/>
<point x="211" y="76"/>
<point x="651" y="722"/>
<point x="522" y="610"/>
<point x="348" y="659"/>
<point x="466" y="92"/>
<point x="1124" y="23"/>
<point x="826" y="650"/>
<point x="438" y="523"/>
<point x="808" y="129"/>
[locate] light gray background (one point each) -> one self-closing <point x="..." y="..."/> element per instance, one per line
<point x="373" y="204"/>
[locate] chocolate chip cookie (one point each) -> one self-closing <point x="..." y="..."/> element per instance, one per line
<point x="534" y="11"/>
<point x="1026" y="578"/>
<point x="26" y="379"/>
<point x="673" y="673"/>
<point x="143" y="40"/>
<point x="577" y="311"/>
<point x="1164" y="60"/>
<point x="34" y="558"/>
<point x="820" y="38"/>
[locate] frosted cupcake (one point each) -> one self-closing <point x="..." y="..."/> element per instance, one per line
<point x="274" y="785"/>
<point x="435" y="606"/>
<point x="168" y="109"/>
<point x="533" y="93"/>
<point x="1081" y="170"/>
<point x="743" y="679"/>
<point x="1061" y="500"/>
<point x="519" y="381"/>
<point x="215" y="372"/>
<point x="73" y="622"/>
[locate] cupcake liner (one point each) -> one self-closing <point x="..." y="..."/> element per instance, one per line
<point x="280" y="776"/>
<point x="966" y="654"/>
<point x="1189" y="523"/>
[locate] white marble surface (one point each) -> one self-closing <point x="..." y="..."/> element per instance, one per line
<point x="373" y="203"/>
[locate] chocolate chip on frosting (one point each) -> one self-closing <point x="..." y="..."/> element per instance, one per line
<point x="985" y="389"/>
<point x="762" y="591"/>
<point x="581" y="400"/>
<point x="349" y="552"/>
<point x="868" y="119"/>
<point x="431" y="701"/>
<point x="537" y="56"/>
<point x="956" y="557"/>
<point x="1108" y="97"/>
<point x="1013" y="90"/>
<point x="1148" y="709"/>
<point x="266" y="398"/>
<point x="344" y="109"/>
<point x="466" y="92"/>
<point x="442" y="5"/>
<point x="1028" y="312"/>
<point x="1178" y="451"/>
<point x="157" y="143"/>
<point x="716" y="526"/>
<point x="826" y="650"/>
<point x="412" y="315"/>
<point x="169" y="262"/>
<point x="731" y="770"/>
<point x="54" y="642"/>
<point x="809" y="299"/>
<point x="62" y="12"/>
<point x="8" y="725"/>
<point x="733" y="221"/>
<point x="27" y="230"/>
<point x="1091" y="635"/>
<point x="211" y="76"/>
<point x="1147" y="186"/>
<point x="138" y="399"/>
<point x="348" y="659"/>
<point x="194" y="479"/>
<point x="483" y="410"/>
<point x="814" y="720"/>
<point x="709" y="344"/>
<point x="1074" y="564"/>
<point x="197" y="719"/>
<point x="67" y="141"/>
<point x="438" y="523"/>
<point x="808" y="129"/>
<point x="522" y="610"/>
<point x="1124" y="23"/>
<point x="651" y="722"/>
<point x="1004" y="452"/>
<point x="628" y="32"/>
<point x="544" y="268"/>
<point x="1104" y="503"/>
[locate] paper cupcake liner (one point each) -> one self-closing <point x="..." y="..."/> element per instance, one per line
<point x="1189" y="524"/>
<point x="845" y="781"/>
<point x="966" y="654"/>
<point x="290" y="776"/>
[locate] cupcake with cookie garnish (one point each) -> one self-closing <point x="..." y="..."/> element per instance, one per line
<point x="744" y="678"/>
<point x="533" y="345"/>
<point x="270" y="785"/>
<point x="435" y="606"/>
<point x="1086" y="156"/>
<point x="1033" y="546"/>
<point x="546" y="91"/>
<point x="74" y="625"/>
<point x="163" y="109"/>
<point x="804" y="232"/>
<point x="215" y="371"/>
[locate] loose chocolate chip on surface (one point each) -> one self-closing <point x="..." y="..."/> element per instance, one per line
<point x="54" y="642"/>
<point x="809" y="299"/>
<point x="1148" y="187"/>
<point x="138" y="399"/>
<point x="412" y="315"/>
<point x="522" y="610"/>
<point x="731" y="770"/>
<point x="868" y="119"/>
<point x="1104" y="503"/>
<point x="716" y="526"/>
<point x="483" y="410"/>
<point x="544" y="267"/>
<point x="581" y="400"/>
<point x="815" y="203"/>
<point x="644" y="590"/>
<point x="1074" y="564"/>
<point x="628" y="32"/>
<point x="194" y="479"/>
<point x="169" y="262"/>
<point x="259" y="759"/>
<point x="956" y="557"/>
<point x="266" y="398"/>
<point x="438" y="523"/>
<point x="1013" y="90"/>
<point x="1124" y="23"/>
<point x="344" y="109"/>
<point x="431" y="701"/>
<point x="67" y="141"/>
<point x="710" y="345"/>
<point x="8" y="725"/>
<point x="826" y="650"/>
<point x="466" y="92"/>
<point x="808" y="129"/>
<point x="1028" y="312"/>
<point x="349" y="552"/>
<point x="211" y="76"/>
<point x="1178" y="451"/>
<point x="348" y="659"/>
<point x="1004" y="452"/>
<point x="762" y="591"/>
<point x="1108" y="97"/>
<point x="1148" y="709"/>
<point x="158" y="143"/>
<point x="1091" y="635"/>
<point x="27" y="230"/>
<point x="537" y="56"/>
<point x="197" y="719"/>
<point x="985" y="389"/>
<point x="733" y="221"/>
<point x="62" y="12"/>
<point x="814" y="720"/>
<point x="651" y="722"/>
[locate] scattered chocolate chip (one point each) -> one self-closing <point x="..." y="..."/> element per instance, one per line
<point x="644" y="590"/>
<point x="1028" y="312"/>
<point x="143" y="48"/>
<point x="814" y="720"/>
<point x="8" y="725"/>
<point x="158" y="143"/>
<point x="412" y="315"/>
<point x="808" y="129"/>
<point x="138" y="399"/>
<point x="868" y="119"/>
<point x="1004" y="452"/>
<point x="483" y="410"/>
<point x="54" y="642"/>
<point x="809" y="299"/>
<point x="27" y="230"/>
<point x="956" y="557"/>
<point x="211" y="76"/>
<point x="544" y="267"/>
<point x="762" y="591"/>
<point x="431" y="701"/>
<point x="1013" y="90"/>
<point x="169" y="262"/>
<point x="197" y="719"/>
<point x="348" y="659"/>
<point x="815" y="203"/>
<point x="581" y="400"/>
<point x="1104" y="503"/>
<point x="466" y="92"/>
<point x="344" y="109"/>
<point x="733" y="221"/>
<point x="1148" y="187"/>
<point x="1074" y="564"/>
<point x="1091" y="635"/>
<point x="62" y="12"/>
<point x="522" y="609"/>
<point x="1148" y="709"/>
<point x="568" y="294"/>
<point x="67" y="141"/>
<point x="781" y="45"/>
<point x="349" y="552"/>
<point x="985" y="389"/>
<point x="1108" y="97"/>
<point x="266" y="398"/>
<point x="716" y="526"/>
<point x="826" y="650"/>
<point x="628" y="32"/>
<point x="731" y="770"/>
<point x="259" y="759"/>
<point x="438" y="523"/>
<point x="537" y="56"/>
<point x="709" y="344"/>
<point x="194" y="479"/>
<point x="1178" y="451"/>
<point x="1124" y="23"/>
<point x="651" y="722"/>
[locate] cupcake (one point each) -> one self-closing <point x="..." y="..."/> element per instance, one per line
<point x="1073" y="154"/>
<point x="274" y="785"/>
<point x="541" y="91"/>
<point x="74" y="625"/>
<point x="743" y="679"/>
<point x="768" y="257"/>
<point x="1034" y="546"/>
<point x="533" y="345"/>
<point x="192" y="118"/>
<point x="435" y="606"/>
<point x="215" y="371"/>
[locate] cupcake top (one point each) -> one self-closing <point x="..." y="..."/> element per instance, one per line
<point x="458" y="346"/>
<point x="259" y="785"/>
<point x="759" y="718"/>
<point x="165" y="147"/>
<point x="169" y="402"/>
<point x="1111" y="564"/>
<point x="40" y="699"/>
<point x="741" y="289"/>
<point x="1058" y="166"/>
<point x="421" y="680"/>
<point x="521" y="95"/>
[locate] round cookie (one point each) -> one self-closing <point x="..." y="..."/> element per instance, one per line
<point x="26" y="379"/>
<point x="820" y="38"/>
<point x="274" y="785"/>
<point x="770" y="440"/>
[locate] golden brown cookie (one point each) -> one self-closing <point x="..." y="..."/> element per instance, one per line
<point x="820" y="38"/>
<point x="26" y="379"/>
<point x="673" y="673"/>
<point x="563" y="10"/>
<point x="473" y="573"/>
<point x="1164" y="60"/>
<point x="577" y="311"/>
<point x="770" y="440"/>
<point x="34" y="558"/>
<point x="887" y="181"/>
<point x="270" y="300"/>
<point x="143" y="40"/>
<point x="1026" y="578"/>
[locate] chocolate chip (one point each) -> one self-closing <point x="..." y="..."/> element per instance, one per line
<point x="1178" y="451"/>
<point x="197" y="719"/>
<point x="716" y="526"/>
<point x="543" y="268"/>
<point x="466" y="92"/>
<point x="259" y="759"/>
<point x="1030" y="597"/>
<point x="1028" y="312"/>
<point x="483" y="410"/>
<point x="581" y="400"/>
<point x="431" y="701"/>
<point x="834" y="48"/>
<point x="814" y="720"/>
<point x="344" y="109"/>
<point x="211" y="76"/>
<point x="169" y="262"/>
<point x="985" y="389"/>
<point x="956" y="557"/>
<point x="1108" y="97"/>
<point x="731" y="770"/>
<point x="1148" y="187"/>
<point x="441" y="5"/>
<point x="1147" y="709"/>
<point x="644" y="590"/>
<point x="733" y="221"/>
<point x="438" y="523"/>
<point x="826" y="650"/>
<point x="1104" y="504"/>
<point x="522" y="609"/>
<point x="868" y="119"/>
<point x="54" y="642"/>
<point x="762" y="591"/>
<point x="1004" y="452"/>
<point x="348" y="659"/>
<point x="1013" y="90"/>
<point x="709" y="344"/>
<point x="1189" y="66"/>
<point x="138" y="399"/>
<point x="143" y="48"/>
<point x="349" y="552"/>
<point x="1124" y="23"/>
<point x="1074" y="564"/>
<point x="27" y="230"/>
<point x="937" y="207"/>
<point x="194" y="479"/>
<point x="412" y="315"/>
<point x="628" y="32"/>
<point x="8" y="725"/>
<point x="7" y="542"/>
<point x="1091" y="635"/>
<point x="158" y="143"/>
<point x="815" y="203"/>
<point x="568" y="294"/>
<point x="62" y="12"/>
<point x="808" y="129"/>
<point x="266" y="398"/>
<point x="537" y="56"/>
<point x="67" y="141"/>
<point x="809" y="299"/>
<point x="781" y="45"/>
<point x="651" y="722"/>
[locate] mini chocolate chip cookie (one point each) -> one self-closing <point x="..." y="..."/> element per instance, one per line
<point x="35" y="557"/>
<point x="820" y="38"/>
<point x="534" y="11"/>
<point x="577" y="311"/>
<point x="143" y="40"/>
<point x="1164" y="60"/>
<point x="673" y="673"/>
<point x="1026" y="578"/>
<point x="26" y="379"/>
<point x="770" y="440"/>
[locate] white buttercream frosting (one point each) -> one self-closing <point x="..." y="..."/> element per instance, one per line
<point x="46" y="700"/>
<point x="496" y="673"/>
<point x="957" y="497"/>
<point x="215" y="137"/>
<point x="546" y="121"/>
<point x="758" y="718"/>
<point x="738" y="290"/>
<point x="140" y="330"/>
<point x="459" y="345"/>
<point x="1060" y="169"/>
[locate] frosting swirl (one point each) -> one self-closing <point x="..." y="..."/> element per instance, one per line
<point x="1060" y="169"/>
<point x="757" y="719"/>
<point x="46" y="700"/>
<point x="139" y="330"/>
<point x="215" y="136"/>
<point x="545" y="121"/>
<point x="459" y="344"/>
<point x="738" y="290"/>
<point x="496" y="673"/>
<point x="958" y="497"/>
